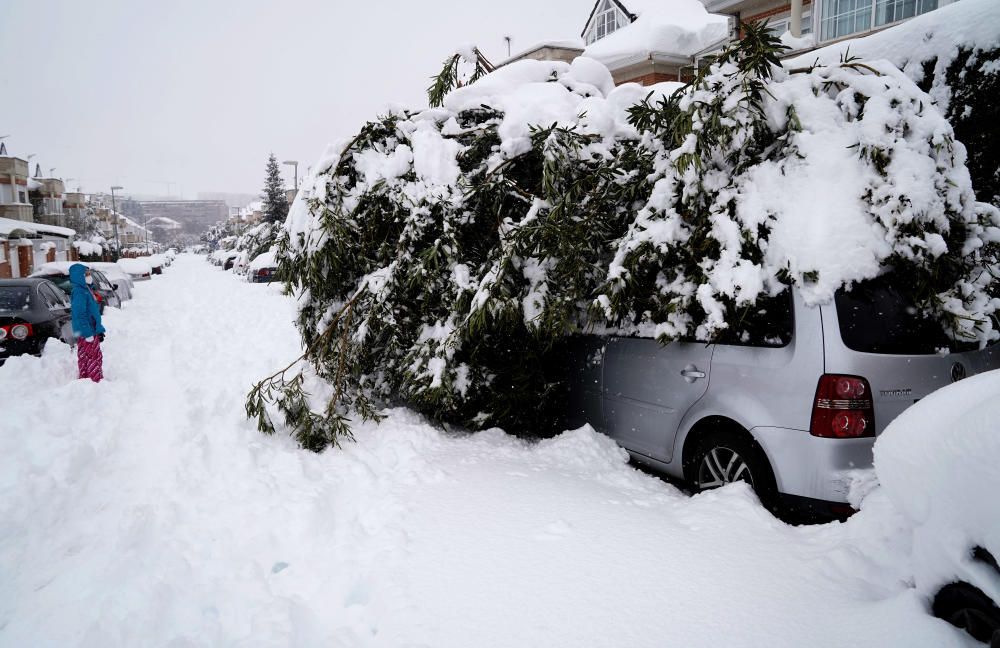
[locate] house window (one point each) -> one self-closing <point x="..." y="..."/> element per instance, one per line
<point x="781" y="25"/>
<point x="846" y="17"/>
<point x="607" y="19"/>
<point x="22" y="197"/>
<point x="890" y="11"/>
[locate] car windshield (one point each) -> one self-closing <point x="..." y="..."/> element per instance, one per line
<point x="15" y="298"/>
<point x="876" y="317"/>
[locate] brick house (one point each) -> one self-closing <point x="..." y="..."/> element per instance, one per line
<point x="641" y="41"/>
<point x="814" y="23"/>
<point x="651" y="41"/>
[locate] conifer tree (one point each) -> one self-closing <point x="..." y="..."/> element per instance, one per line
<point x="275" y="201"/>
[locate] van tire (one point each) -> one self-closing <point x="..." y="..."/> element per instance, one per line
<point x="724" y="457"/>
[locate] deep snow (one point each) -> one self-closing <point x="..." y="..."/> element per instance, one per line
<point x="146" y="511"/>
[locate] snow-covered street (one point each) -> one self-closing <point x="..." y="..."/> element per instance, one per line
<point x="147" y="511"/>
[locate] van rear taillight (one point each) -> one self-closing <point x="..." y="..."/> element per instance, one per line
<point x="843" y="408"/>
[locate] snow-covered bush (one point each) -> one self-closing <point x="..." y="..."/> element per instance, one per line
<point x="442" y="257"/>
<point x="953" y="54"/>
<point x="258" y="239"/>
<point x="971" y="85"/>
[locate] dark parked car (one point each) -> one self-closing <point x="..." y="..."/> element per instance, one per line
<point x="31" y="312"/>
<point x="104" y="289"/>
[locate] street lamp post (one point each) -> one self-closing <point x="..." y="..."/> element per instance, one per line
<point x="114" y="220"/>
<point x="294" y="163"/>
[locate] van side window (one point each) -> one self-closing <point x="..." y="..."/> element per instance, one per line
<point x="768" y="323"/>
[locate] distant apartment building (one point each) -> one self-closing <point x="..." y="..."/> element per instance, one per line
<point x="27" y="242"/>
<point x="14" y="203"/>
<point x="47" y="196"/>
<point x="194" y="216"/>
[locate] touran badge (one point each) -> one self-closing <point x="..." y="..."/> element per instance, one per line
<point x="957" y="372"/>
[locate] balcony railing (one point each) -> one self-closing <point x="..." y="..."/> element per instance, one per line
<point x="17" y="211"/>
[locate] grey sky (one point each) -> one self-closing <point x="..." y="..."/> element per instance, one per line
<point x="197" y="92"/>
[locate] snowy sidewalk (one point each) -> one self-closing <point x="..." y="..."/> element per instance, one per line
<point x="146" y="511"/>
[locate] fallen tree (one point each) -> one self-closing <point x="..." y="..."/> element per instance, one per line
<point x="442" y="257"/>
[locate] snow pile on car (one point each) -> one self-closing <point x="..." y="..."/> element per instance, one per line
<point x="268" y="259"/>
<point x="137" y="266"/>
<point x="937" y="463"/>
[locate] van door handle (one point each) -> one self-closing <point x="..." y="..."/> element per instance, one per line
<point x="691" y="373"/>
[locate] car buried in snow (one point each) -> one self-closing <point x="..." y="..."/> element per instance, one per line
<point x="790" y="401"/>
<point x="32" y="311"/>
<point x="264" y="268"/>
<point x="121" y="280"/>
<point x="136" y="269"/>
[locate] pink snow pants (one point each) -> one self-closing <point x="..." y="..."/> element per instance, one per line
<point x="89" y="359"/>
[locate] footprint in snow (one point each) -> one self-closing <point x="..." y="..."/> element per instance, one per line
<point x="554" y="531"/>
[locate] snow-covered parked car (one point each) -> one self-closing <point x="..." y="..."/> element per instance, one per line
<point x="120" y="279"/>
<point x="264" y="268"/>
<point x="791" y="400"/>
<point x="937" y="464"/>
<point x="137" y="269"/>
<point x="32" y="311"/>
<point x="157" y="262"/>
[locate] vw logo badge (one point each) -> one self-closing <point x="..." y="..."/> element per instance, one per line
<point x="957" y="372"/>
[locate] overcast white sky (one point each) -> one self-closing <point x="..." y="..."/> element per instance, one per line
<point x="198" y="92"/>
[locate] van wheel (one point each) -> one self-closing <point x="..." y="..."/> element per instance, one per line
<point x="725" y="458"/>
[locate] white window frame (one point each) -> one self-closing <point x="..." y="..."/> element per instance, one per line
<point x="607" y="13"/>
<point x="871" y="8"/>
<point x="781" y="25"/>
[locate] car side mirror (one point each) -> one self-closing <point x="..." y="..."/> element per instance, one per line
<point x="115" y="285"/>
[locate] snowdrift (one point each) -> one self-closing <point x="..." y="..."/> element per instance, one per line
<point x="146" y="511"/>
<point x="937" y="463"/>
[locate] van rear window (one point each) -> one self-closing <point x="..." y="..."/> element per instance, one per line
<point x="876" y="317"/>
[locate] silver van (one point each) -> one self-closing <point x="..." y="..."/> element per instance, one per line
<point x="790" y="399"/>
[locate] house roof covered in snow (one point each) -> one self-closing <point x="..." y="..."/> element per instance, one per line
<point x="575" y="45"/>
<point x="670" y="30"/>
<point x="9" y="226"/>
<point x="163" y="221"/>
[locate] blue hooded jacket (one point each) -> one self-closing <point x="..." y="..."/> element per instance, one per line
<point x="86" y="313"/>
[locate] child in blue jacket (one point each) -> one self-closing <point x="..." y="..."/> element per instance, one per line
<point x="86" y="324"/>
